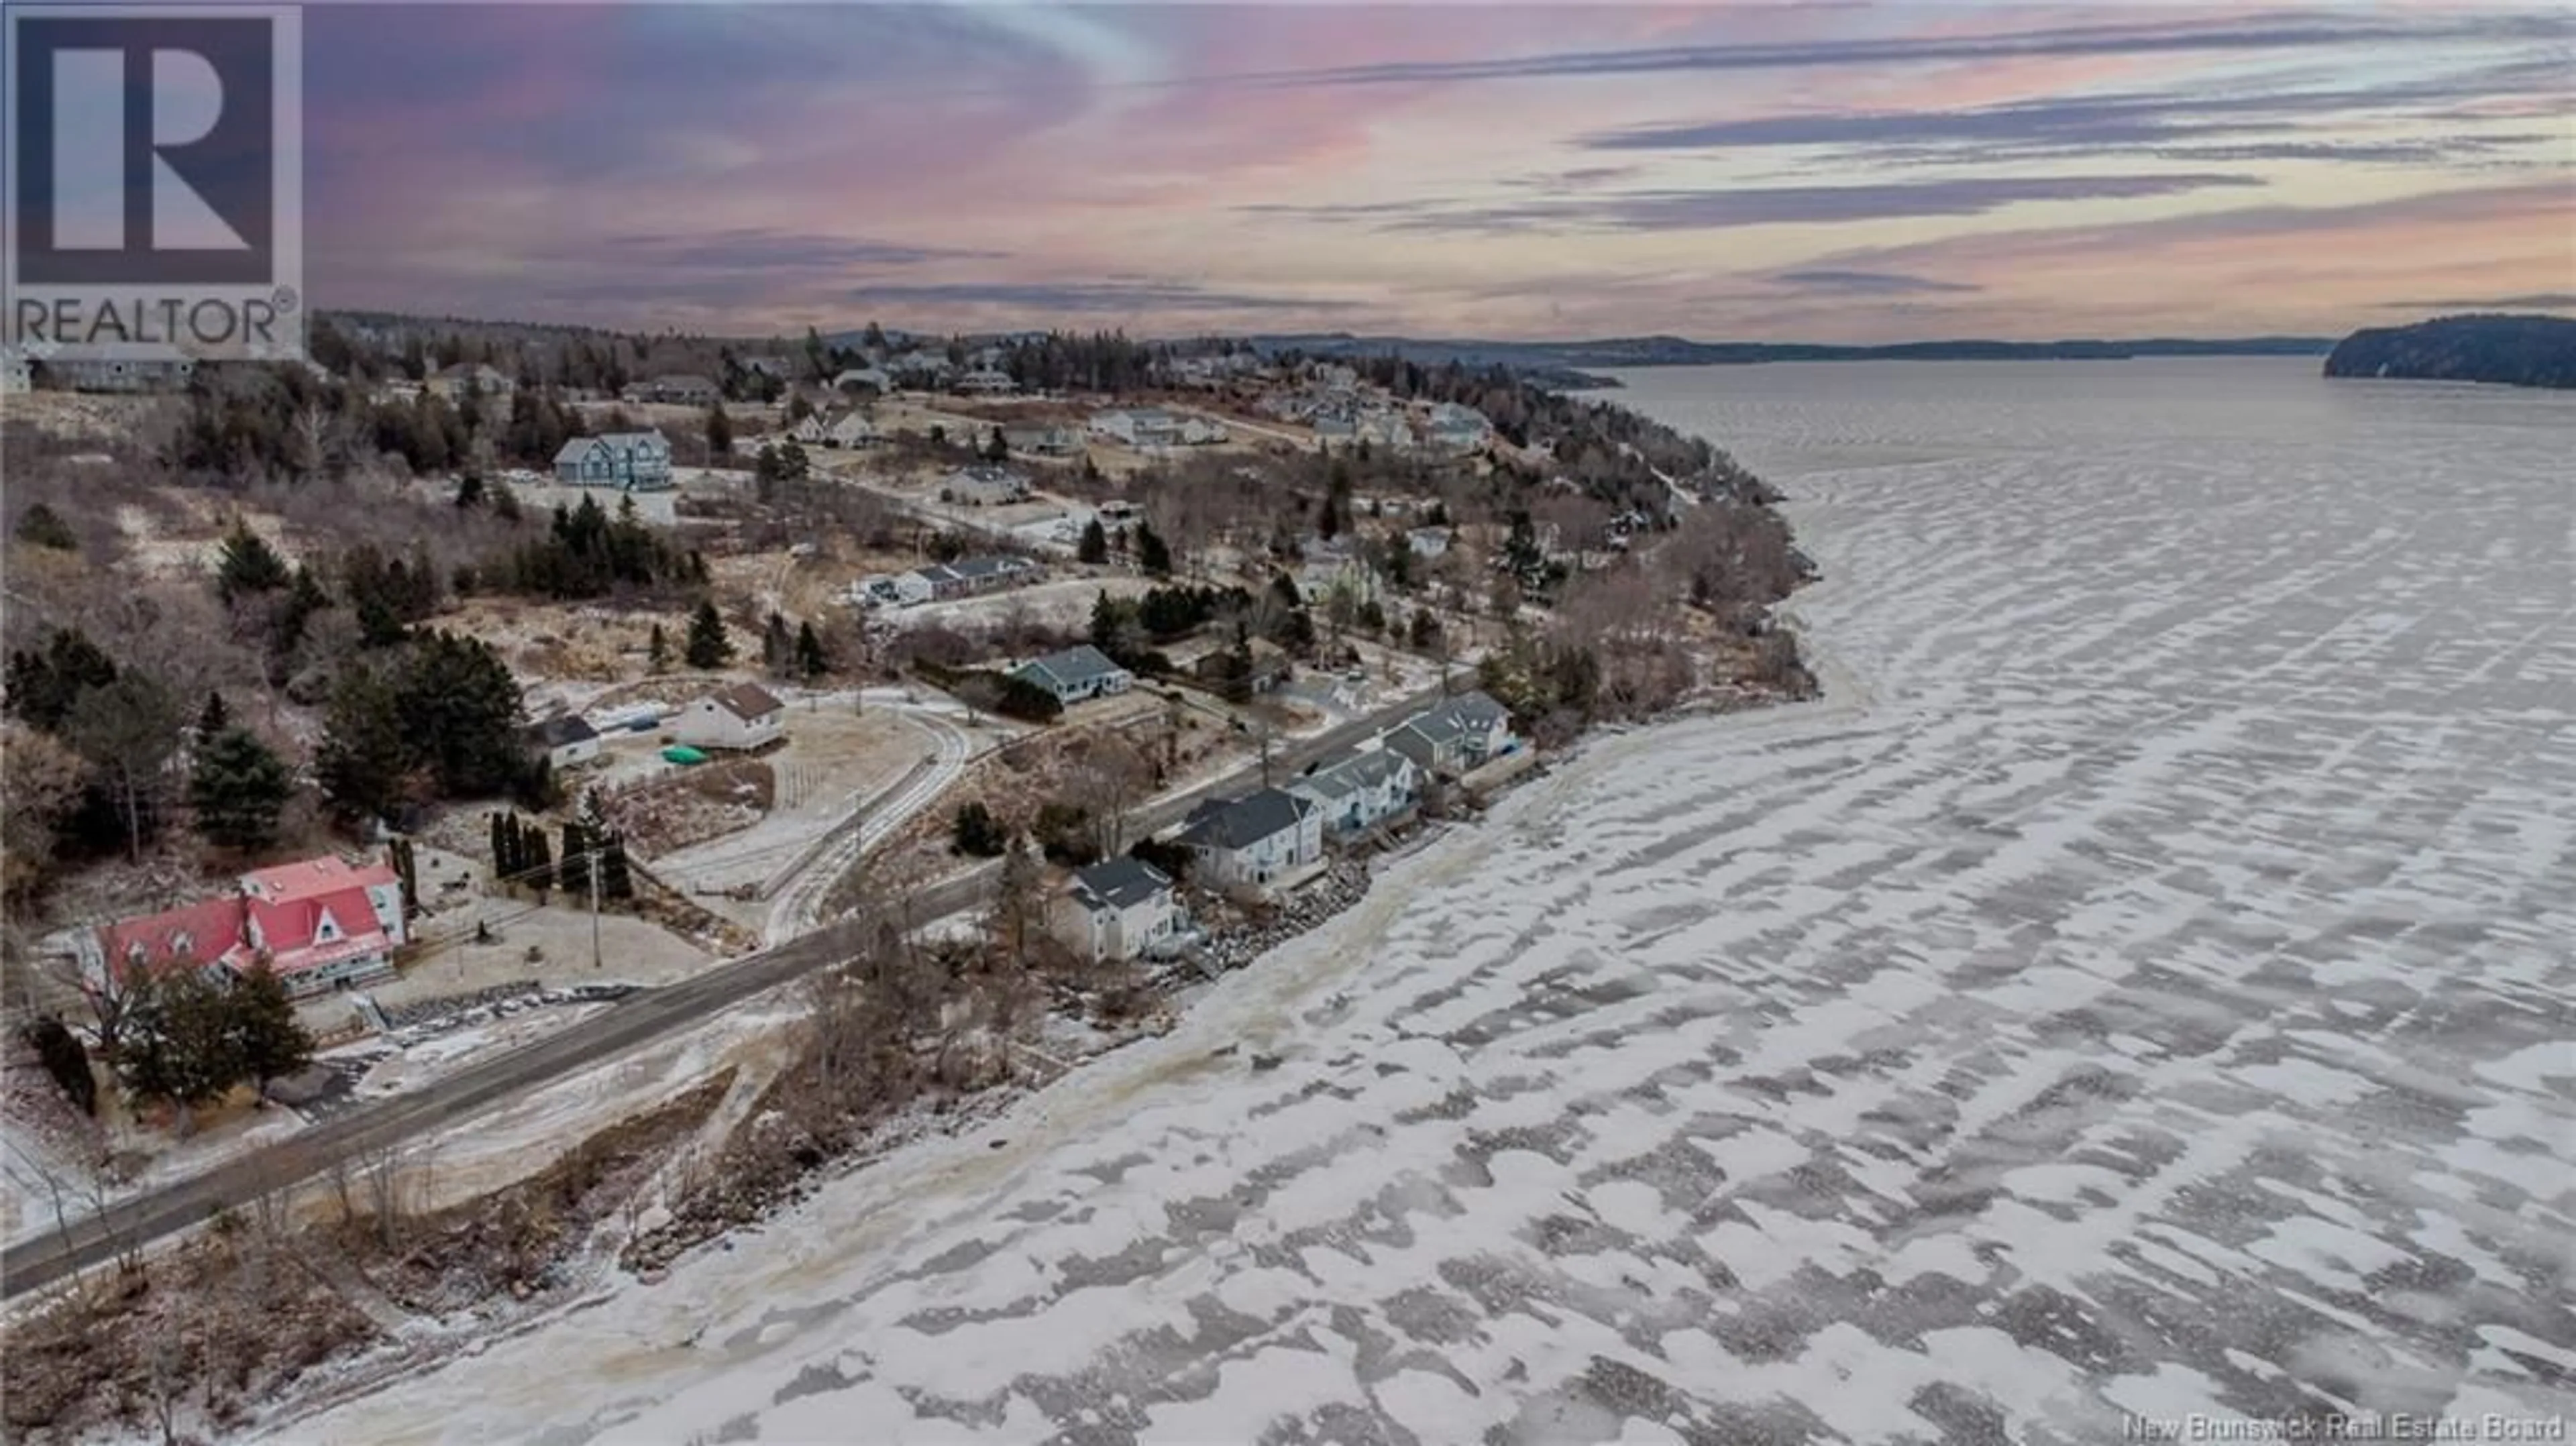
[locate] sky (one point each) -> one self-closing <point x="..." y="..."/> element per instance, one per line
<point x="1824" y="172"/>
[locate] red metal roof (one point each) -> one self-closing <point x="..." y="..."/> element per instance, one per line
<point x="190" y="936"/>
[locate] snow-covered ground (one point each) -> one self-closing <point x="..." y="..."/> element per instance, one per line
<point x="2142" y="989"/>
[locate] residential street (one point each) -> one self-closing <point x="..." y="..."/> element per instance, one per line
<point x="38" y="1261"/>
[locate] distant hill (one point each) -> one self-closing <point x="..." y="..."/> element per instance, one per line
<point x="1674" y="351"/>
<point x="2521" y="351"/>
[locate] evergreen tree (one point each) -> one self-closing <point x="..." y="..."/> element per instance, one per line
<point x="364" y="758"/>
<point x="407" y="870"/>
<point x="212" y="719"/>
<point x="1151" y="553"/>
<point x="463" y="713"/>
<point x="269" y="1041"/>
<point x="1094" y="547"/>
<point x="777" y="648"/>
<point x="238" y="788"/>
<point x="42" y="526"/>
<point x="247" y="565"/>
<point x="1105" y="618"/>
<point x="541" y="863"/>
<point x="577" y="863"/>
<point x="286" y="622"/>
<point x="811" y="661"/>
<point x="719" y="432"/>
<point x="657" y="653"/>
<point x="708" y="647"/>
<point x="180" y="1043"/>
<point x="616" y="881"/>
<point x="975" y="833"/>
<point x="498" y="825"/>
<point x="42" y="686"/>
<point x="1019" y="900"/>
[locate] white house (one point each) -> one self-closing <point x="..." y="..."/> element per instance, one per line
<point x="1119" y="908"/>
<point x="905" y="589"/>
<point x="1359" y="791"/>
<point x="858" y="379"/>
<point x="808" y="432"/>
<point x="1042" y="441"/>
<point x="1428" y="541"/>
<point x="852" y="430"/>
<point x="463" y="380"/>
<point x="567" y="740"/>
<point x="987" y="382"/>
<point x="1138" y="427"/>
<point x="1270" y="839"/>
<point x="739" y="718"/>
<point x="1456" y="735"/>
<point x="1076" y="673"/>
<point x="984" y="487"/>
<point x="1201" y="432"/>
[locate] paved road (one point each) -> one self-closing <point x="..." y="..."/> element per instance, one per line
<point x="639" y="1019"/>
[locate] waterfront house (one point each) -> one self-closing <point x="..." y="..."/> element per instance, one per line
<point x="740" y="718"/>
<point x="1118" y="909"/>
<point x="1271" y="839"/>
<point x="1075" y="674"/>
<point x="1361" y="790"/>
<point x="628" y="461"/>
<point x="1455" y="735"/>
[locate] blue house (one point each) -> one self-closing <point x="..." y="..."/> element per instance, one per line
<point x="627" y="461"/>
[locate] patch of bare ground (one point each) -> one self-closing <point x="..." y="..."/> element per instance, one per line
<point x="676" y="810"/>
<point x="1014" y="781"/>
<point x="516" y="1240"/>
<point x="185" y="1343"/>
<point x="905" y="1038"/>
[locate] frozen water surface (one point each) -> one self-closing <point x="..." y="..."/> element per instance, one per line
<point x="2145" y="987"/>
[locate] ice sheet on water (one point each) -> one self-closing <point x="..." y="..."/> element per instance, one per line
<point x="2149" y="1002"/>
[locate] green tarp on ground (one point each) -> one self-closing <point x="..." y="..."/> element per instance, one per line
<point x="682" y="753"/>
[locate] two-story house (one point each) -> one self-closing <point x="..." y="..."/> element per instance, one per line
<point x="319" y="924"/>
<point x="628" y="461"/>
<point x="1269" y="840"/>
<point x="1455" y="735"/>
<point x="1118" y="909"/>
<point x="1360" y="791"/>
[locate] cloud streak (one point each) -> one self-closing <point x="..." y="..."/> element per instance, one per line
<point x="1869" y="283"/>
<point x="1746" y="206"/>
<point x="2254" y="35"/>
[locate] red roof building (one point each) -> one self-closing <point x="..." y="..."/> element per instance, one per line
<point x="321" y="923"/>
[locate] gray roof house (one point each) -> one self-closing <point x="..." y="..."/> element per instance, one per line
<point x="629" y="461"/>
<point x="1269" y="839"/>
<point x="1119" y="908"/>
<point x="984" y="486"/>
<point x="1359" y="791"/>
<point x="1076" y="673"/>
<point x="1455" y="735"/>
<point x="566" y="739"/>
